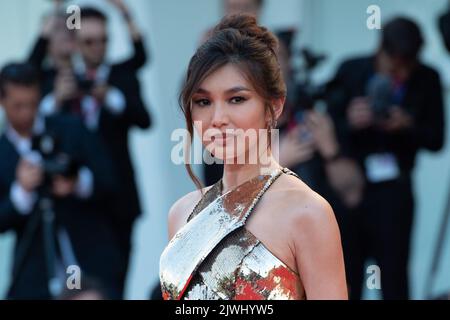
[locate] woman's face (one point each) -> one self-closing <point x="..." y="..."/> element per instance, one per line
<point x="228" y="114"/>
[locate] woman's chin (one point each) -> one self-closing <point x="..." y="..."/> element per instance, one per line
<point x="230" y="154"/>
<point x="230" y="157"/>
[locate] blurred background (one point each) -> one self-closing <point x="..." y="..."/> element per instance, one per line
<point x="170" y="31"/>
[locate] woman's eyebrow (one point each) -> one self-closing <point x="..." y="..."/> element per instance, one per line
<point x="237" y="89"/>
<point x="202" y="91"/>
<point x="231" y="90"/>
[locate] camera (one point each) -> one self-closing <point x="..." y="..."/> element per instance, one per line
<point x="306" y="94"/>
<point x="55" y="162"/>
<point x="380" y="94"/>
<point x="84" y="84"/>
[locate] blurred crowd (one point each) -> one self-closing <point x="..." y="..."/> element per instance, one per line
<point x="354" y="140"/>
<point x="67" y="183"/>
<point x="67" y="186"/>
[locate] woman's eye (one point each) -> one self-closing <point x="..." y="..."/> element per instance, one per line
<point x="237" y="100"/>
<point x="202" y="102"/>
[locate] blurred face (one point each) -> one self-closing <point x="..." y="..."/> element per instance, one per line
<point x="92" y="41"/>
<point x="21" y="105"/>
<point x="226" y="111"/>
<point x="62" y="45"/>
<point x="395" y="67"/>
<point x="242" y="6"/>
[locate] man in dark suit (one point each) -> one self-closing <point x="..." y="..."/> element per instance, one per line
<point x="386" y="108"/>
<point x="82" y="234"/>
<point x="107" y="98"/>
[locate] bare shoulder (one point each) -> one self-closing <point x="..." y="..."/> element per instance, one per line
<point x="314" y="239"/>
<point x="304" y="208"/>
<point x="182" y="208"/>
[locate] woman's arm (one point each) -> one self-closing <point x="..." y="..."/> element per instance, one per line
<point x="175" y="217"/>
<point x="318" y="252"/>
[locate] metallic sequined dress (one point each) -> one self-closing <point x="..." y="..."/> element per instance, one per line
<point x="215" y="257"/>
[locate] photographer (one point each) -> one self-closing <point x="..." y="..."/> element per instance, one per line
<point x="54" y="47"/>
<point x="107" y="98"/>
<point x="52" y="163"/>
<point x="386" y="108"/>
<point x="308" y="143"/>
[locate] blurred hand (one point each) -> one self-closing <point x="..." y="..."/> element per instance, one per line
<point x="62" y="186"/>
<point x="65" y="86"/>
<point x="347" y="179"/>
<point x="58" y="3"/>
<point x="360" y="114"/>
<point x="121" y="6"/>
<point x="322" y="129"/>
<point x="29" y="175"/>
<point x="294" y="150"/>
<point x="51" y="20"/>
<point x="398" y="120"/>
<point x="99" y="92"/>
<point x="125" y="11"/>
<point x="49" y="25"/>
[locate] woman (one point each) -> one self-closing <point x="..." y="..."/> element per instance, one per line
<point x="260" y="232"/>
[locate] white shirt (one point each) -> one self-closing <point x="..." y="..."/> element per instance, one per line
<point x="114" y="100"/>
<point x="23" y="200"/>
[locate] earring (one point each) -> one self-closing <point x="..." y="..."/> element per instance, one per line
<point x="273" y="124"/>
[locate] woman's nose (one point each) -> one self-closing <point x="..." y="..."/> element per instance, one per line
<point x="220" y="116"/>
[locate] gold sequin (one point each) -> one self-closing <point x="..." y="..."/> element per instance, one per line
<point x="215" y="257"/>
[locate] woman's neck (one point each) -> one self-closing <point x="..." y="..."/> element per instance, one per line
<point x="236" y="174"/>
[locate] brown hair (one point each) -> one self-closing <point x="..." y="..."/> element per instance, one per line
<point x="238" y="40"/>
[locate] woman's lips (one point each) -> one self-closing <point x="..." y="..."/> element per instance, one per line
<point x="222" y="139"/>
